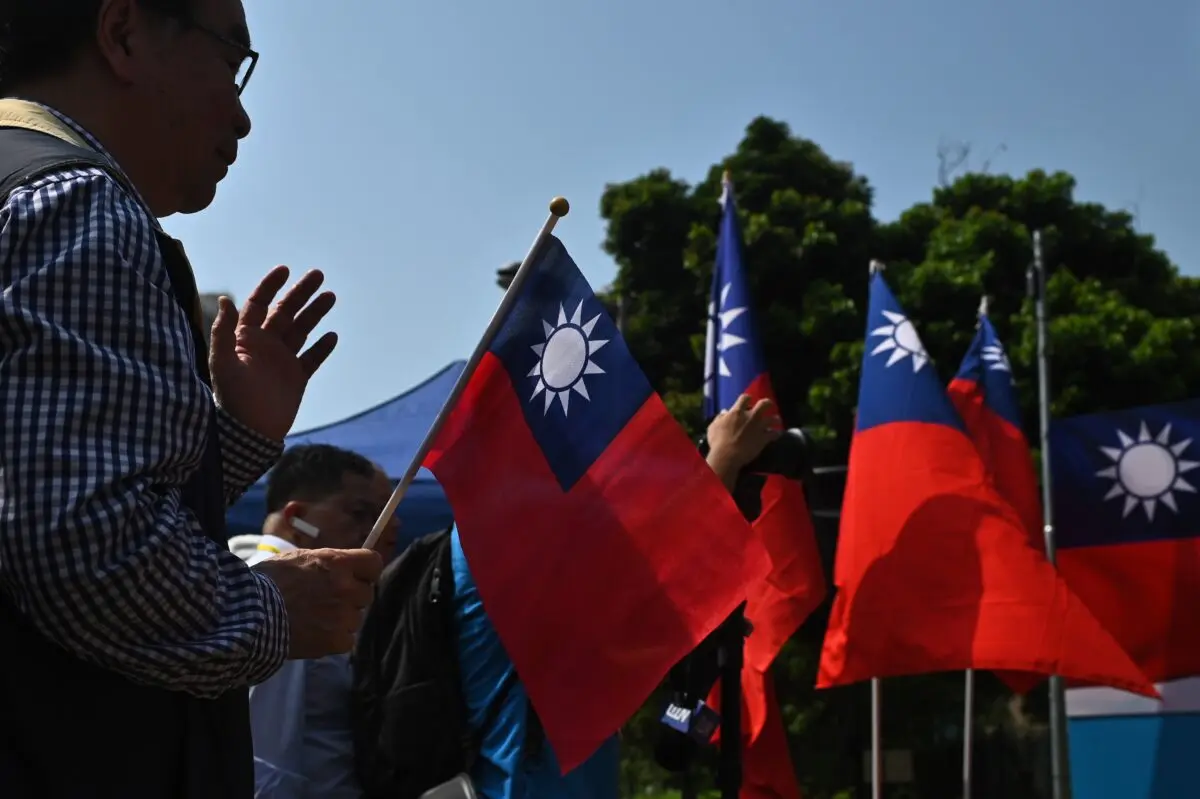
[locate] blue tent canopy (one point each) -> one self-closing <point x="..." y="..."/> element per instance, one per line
<point x="389" y="434"/>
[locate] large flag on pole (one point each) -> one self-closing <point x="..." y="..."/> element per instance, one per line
<point x="778" y="605"/>
<point x="735" y="365"/>
<point x="934" y="570"/>
<point x="604" y="547"/>
<point x="985" y="397"/>
<point x="1128" y="531"/>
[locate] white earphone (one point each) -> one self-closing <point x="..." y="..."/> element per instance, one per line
<point x="304" y="527"/>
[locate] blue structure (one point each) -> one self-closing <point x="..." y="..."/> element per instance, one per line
<point x="1128" y="747"/>
<point x="389" y="434"/>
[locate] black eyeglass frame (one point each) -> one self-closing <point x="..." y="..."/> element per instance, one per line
<point x="191" y="23"/>
<point x="247" y="52"/>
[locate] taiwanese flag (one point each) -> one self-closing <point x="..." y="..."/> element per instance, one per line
<point x="934" y="570"/>
<point x="604" y="547"/>
<point x="734" y="365"/>
<point x="1128" y="528"/>
<point x="778" y="605"/>
<point x="986" y="399"/>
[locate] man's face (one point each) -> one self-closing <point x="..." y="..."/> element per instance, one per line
<point x="185" y="85"/>
<point x="345" y="518"/>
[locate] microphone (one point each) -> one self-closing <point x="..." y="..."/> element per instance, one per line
<point x="687" y="722"/>
<point x="687" y="729"/>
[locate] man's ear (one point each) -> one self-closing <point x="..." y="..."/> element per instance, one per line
<point x="293" y="509"/>
<point x="124" y="33"/>
<point x="292" y="514"/>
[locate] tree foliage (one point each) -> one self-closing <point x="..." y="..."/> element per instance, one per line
<point x="1121" y="331"/>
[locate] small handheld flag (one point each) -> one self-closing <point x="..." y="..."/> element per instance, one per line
<point x="603" y="546"/>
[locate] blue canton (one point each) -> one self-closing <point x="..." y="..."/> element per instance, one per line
<point x="571" y="370"/>
<point x="898" y="382"/>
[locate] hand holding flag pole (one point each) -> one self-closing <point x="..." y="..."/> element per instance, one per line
<point x="559" y="207"/>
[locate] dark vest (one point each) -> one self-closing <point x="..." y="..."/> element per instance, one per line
<point x="70" y="730"/>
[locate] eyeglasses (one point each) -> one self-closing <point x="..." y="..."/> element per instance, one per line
<point x="247" y="58"/>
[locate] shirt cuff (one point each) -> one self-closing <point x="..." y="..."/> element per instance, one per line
<point x="274" y="638"/>
<point x="246" y="454"/>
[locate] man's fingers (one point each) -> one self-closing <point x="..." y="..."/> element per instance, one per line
<point x="307" y="320"/>
<point x="742" y="403"/>
<point x="283" y="315"/>
<point x="365" y="564"/>
<point x="254" y="312"/>
<point x="764" y="408"/>
<point x="224" y="328"/>
<point x="315" y="355"/>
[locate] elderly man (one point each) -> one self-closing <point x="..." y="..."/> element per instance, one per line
<point x="130" y="630"/>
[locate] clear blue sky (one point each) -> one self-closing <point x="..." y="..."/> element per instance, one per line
<point x="410" y="148"/>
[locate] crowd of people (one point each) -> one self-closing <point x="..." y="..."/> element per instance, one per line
<point x="150" y="655"/>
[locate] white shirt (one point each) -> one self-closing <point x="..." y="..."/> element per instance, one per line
<point x="300" y="717"/>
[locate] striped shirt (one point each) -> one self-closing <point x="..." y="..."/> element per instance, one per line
<point x="104" y="417"/>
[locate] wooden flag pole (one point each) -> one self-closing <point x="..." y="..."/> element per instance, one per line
<point x="559" y="207"/>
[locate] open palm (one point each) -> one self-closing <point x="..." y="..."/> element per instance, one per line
<point x="259" y="372"/>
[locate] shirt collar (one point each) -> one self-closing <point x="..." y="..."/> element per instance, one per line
<point x="275" y="544"/>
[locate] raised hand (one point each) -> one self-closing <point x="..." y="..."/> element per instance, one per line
<point x="259" y="372"/>
<point x="737" y="436"/>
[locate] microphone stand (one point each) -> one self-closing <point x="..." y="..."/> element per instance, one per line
<point x="730" y="657"/>
<point x="731" y="635"/>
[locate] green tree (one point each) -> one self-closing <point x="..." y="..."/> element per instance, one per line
<point x="1121" y="330"/>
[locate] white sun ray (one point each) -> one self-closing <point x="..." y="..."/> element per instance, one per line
<point x="565" y="358"/>
<point x="1148" y="470"/>
<point x="718" y="327"/>
<point x="995" y="355"/>
<point x="901" y="340"/>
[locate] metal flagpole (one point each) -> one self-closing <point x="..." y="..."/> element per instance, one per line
<point x="969" y="674"/>
<point x="559" y="207"/>
<point x="1060" y="769"/>
<point x="876" y="687"/>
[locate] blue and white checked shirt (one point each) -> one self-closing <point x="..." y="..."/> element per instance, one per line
<point x="104" y="417"/>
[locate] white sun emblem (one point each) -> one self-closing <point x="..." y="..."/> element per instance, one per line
<point x="718" y="325"/>
<point x="565" y="358"/>
<point x="1148" y="471"/>
<point x="902" y="340"/>
<point x="994" y="354"/>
